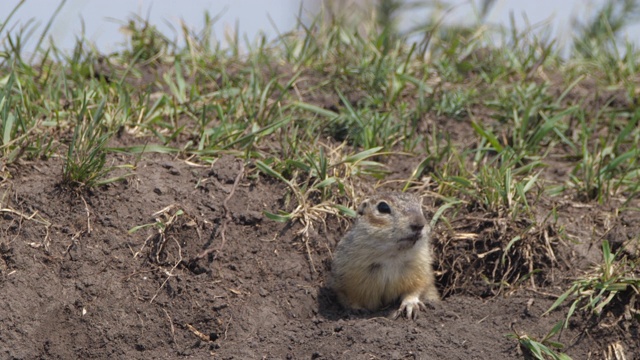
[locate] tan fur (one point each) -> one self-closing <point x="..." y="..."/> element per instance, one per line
<point x="382" y="259"/>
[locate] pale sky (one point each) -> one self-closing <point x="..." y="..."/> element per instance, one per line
<point x="101" y="26"/>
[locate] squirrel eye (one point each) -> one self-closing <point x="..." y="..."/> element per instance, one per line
<point x="384" y="208"/>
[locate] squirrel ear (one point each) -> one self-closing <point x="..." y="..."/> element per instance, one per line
<point x="362" y="207"/>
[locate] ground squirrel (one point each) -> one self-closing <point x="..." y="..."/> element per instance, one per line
<point x="386" y="256"/>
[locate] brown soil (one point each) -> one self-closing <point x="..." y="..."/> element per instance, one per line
<point x="75" y="282"/>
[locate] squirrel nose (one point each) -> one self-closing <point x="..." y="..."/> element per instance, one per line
<point x="417" y="222"/>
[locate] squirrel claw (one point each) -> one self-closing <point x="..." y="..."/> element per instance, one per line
<point x="411" y="308"/>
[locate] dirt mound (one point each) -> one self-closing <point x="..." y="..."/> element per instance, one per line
<point x="138" y="269"/>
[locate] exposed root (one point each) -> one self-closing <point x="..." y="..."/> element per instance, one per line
<point x="485" y="256"/>
<point x="169" y="273"/>
<point x="86" y="209"/>
<point x="35" y="217"/>
<point x="173" y="331"/>
<point x="198" y="333"/>
<point x="226" y="217"/>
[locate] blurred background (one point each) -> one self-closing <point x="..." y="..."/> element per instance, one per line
<point x="104" y="23"/>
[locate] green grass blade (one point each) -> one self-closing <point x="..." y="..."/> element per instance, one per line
<point x="488" y="136"/>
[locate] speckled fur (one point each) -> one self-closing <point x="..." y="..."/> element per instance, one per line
<point x="382" y="259"/>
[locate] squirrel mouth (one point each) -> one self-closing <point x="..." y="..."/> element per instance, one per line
<point x="412" y="239"/>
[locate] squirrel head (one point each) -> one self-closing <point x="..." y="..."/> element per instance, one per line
<point x="393" y="219"/>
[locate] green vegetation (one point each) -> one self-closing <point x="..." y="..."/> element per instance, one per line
<point x="542" y="349"/>
<point x="503" y="136"/>
<point x="614" y="280"/>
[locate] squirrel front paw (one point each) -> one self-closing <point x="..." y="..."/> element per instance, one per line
<point x="410" y="307"/>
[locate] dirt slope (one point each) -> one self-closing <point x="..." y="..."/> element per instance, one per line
<point x="74" y="283"/>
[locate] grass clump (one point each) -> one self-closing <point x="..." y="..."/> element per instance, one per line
<point x="544" y="348"/>
<point x="146" y="43"/>
<point x="86" y="156"/>
<point x="13" y="121"/>
<point x="321" y="182"/>
<point x="615" y="281"/>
